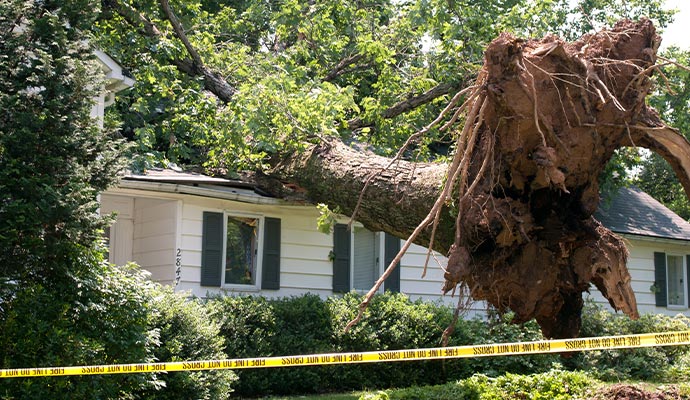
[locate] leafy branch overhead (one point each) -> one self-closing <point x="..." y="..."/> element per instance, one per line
<point x="432" y="124"/>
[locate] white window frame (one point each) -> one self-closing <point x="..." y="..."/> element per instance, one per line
<point x="684" y="284"/>
<point x="380" y="251"/>
<point x="256" y="286"/>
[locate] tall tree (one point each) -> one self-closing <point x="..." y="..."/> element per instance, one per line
<point x="54" y="159"/>
<point x="308" y="92"/>
<point x="61" y="303"/>
<point x="671" y="99"/>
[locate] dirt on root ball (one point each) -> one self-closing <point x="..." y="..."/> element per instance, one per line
<point x="634" y="392"/>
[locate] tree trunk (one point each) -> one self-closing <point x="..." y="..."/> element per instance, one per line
<point x="524" y="239"/>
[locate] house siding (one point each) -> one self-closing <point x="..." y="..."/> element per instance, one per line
<point x="155" y="232"/>
<point x="641" y="267"/>
<point x="171" y="222"/>
<point x="170" y="226"/>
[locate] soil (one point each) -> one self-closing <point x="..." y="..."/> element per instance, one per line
<point x="634" y="392"/>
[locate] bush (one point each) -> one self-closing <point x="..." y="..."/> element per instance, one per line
<point x="391" y="322"/>
<point x="259" y="327"/>
<point x="556" y="384"/>
<point x="100" y="319"/>
<point x="498" y="328"/>
<point x="186" y="332"/>
<point x="651" y="363"/>
<point x="256" y="327"/>
<point x="116" y="315"/>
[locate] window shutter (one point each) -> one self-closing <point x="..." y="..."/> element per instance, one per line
<point x="212" y="249"/>
<point x="660" y="278"/>
<point x="687" y="275"/>
<point x="392" y="247"/>
<point x="270" y="268"/>
<point x="341" y="259"/>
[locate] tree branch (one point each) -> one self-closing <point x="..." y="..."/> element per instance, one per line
<point x="179" y="32"/>
<point x="339" y="68"/>
<point x="213" y="81"/>
<point x="135" y="18"/>
<point x="406" y="105"/>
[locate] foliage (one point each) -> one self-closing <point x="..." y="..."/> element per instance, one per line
<point x="658" y="363"/>
<point x="671" y="100"/>
<point x="256" y="326"/>
<point x="500" y="329"/>
<point x="555" y="384"/>
<point x="104" y="320"/>
<point x="187" y="333"/>
<point x="54" y="159"/>
<point x="304" y="71"/>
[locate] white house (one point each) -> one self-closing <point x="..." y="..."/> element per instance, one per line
<point x="659" y="244"/>
<point x="209" y="236"/>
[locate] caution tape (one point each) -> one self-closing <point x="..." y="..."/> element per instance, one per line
<point x="484" y="350"/>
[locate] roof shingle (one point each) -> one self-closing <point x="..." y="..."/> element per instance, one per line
<point x="633" y="211"/>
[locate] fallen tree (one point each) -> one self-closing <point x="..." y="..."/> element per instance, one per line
<point x="542" y="121"/>
<point x="513" y="208"/>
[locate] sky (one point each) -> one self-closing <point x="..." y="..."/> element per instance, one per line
<point x="678" y="33"/>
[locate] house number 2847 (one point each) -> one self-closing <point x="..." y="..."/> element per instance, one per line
<point x="178" y="266"/>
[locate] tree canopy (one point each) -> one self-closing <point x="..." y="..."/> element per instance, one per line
<point x="264" y="77"/>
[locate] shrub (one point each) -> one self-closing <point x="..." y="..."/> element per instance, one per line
<point x="256" y="327"/>
<point x="556" y="384"/>
<point x="186" y="332"/>
<point x="99" y="319"/>
<point x="392" y="321"/>
<point x="498" y="328"/>
<point x="655" y="363"/>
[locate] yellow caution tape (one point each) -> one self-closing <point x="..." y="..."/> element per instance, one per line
<point x="484" y="350"/>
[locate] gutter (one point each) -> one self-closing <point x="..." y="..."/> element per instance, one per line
<point x="200" y="191"/>
<point x="654" y="239"/>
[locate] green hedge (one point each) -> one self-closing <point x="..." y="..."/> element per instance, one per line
<point x="260" y="327"/>
<point x="113" y="315"/>
<point x="668" y="363"/>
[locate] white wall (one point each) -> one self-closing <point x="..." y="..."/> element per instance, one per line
<point x="155" y="232"/>
<point x="641" y="267"/>
<point x="122" y="230"/>
<point x="305" y="263"/>
<point x="305" y="266"/>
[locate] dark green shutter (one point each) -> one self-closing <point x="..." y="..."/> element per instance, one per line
<point x="660" y="278"/>
<point x="687" y="275"/>
<point x="212" y="249"/>
<point x="270" y="272"/>
<point x="392" y="247"/>
<point x="341" y="258"/>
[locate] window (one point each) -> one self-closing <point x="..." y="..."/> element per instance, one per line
<point x="366" y="268"/>
<point x="675" y="277"/>
<point x="357" y="260"/>
<point x="240" y="250"/>
<point x="671" y="280"/>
